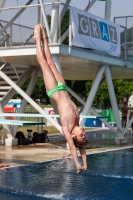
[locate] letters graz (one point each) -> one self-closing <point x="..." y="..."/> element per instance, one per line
<point x="97" y="29"/>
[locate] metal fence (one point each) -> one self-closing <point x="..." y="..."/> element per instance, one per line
<point x="21" y="29"/>
<point x="18" y="34"/>
<point x="126" y="33"/>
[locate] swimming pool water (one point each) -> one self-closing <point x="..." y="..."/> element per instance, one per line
<point x="109" y="177"/>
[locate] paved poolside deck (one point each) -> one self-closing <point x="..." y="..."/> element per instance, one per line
<point x="102" y="140"/>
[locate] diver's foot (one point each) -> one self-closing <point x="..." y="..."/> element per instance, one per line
<point x="37" y="32"/>
<point x="43" y="32"/>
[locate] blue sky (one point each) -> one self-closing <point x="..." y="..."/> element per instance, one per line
<point x="119" y="8"/>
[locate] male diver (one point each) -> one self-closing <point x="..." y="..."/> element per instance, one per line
<point x="56" y="89"/>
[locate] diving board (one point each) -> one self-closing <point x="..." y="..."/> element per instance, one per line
<point x="19" y="122"/>
<point x="44" y="115"/>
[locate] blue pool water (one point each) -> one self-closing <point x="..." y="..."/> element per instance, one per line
<point x="109" y="177"/>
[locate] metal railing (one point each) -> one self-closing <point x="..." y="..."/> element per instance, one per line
<point x="126" y="24"/>
<point x="21" y="34"/>
<point x="4" y="37"/>
<point x="15" y="41"/>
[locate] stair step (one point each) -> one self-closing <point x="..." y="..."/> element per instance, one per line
<point x="3" y="93"/>
<point x="5" y="87"/>
<point x="13" y="72"/>
<point x="17" y="67"/>
<point x="11" y="77"/>
<point x="4" y="83"/>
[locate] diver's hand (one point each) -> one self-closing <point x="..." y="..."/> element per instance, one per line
<point x="80" y="169"/>
<point x="85" y="167"/>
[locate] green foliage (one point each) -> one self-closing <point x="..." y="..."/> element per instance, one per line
<point x="88" y="86"/>
<point x="65" y="26"/>
<point x="49" y="19"/>
<point x="38" y="92"/>
<point x="102" y="96"/>
<point x="123" y="88"/>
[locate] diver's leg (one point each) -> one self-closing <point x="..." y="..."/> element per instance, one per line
<point x="48" y="56"/>
<point x="48" y="76"/>
<point x="125" y="123"/>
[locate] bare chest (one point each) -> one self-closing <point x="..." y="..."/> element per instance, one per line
<point x="69" y="116"/>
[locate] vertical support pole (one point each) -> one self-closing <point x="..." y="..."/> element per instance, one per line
<point x="57" y="63"/>
<point x="2" y="3"/>
<point x="108" y="9"/>
<point x="45" y="21"/>
<point x="28" y="92"/>
<point x="11" y="35"/>
<point x="55" y="21"/>
<point x="70" y="33"/>
<point x="5" y="126"/>
<point x="126" y="41"/>
<point x="113" y="99"/>
<point x="92" y="93"/>
<point x="39" y="14"/>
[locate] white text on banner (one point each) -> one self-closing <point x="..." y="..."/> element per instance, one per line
<point x="90" y="31"/>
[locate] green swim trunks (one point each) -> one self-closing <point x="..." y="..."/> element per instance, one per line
<point x="59" y="87"/>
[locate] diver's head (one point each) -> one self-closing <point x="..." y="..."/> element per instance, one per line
<point x="78" y="136"/>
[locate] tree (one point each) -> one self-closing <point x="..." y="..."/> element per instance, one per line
<point x="123" y="88"/>
<point x="39" y="91"/>
<point x="65" y="26"/>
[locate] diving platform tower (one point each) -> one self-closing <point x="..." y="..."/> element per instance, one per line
<point x="18" y="60"/>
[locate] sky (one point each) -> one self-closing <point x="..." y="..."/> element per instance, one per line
<point x="119" y="7"/>
<point x="29" y="17"/>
